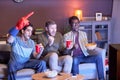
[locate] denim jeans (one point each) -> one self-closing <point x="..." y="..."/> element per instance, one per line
<point x="13" y="67"/>
<point x="97" y="59"/>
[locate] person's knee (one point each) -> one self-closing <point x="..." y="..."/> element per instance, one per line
<point x="98" y="56"/>
<point x="68" y="59"/>
<point x="75" y="60"/>
<point x="43" y="62"/>
<point x="53" y="60"/>
<point x="53" y="56"/>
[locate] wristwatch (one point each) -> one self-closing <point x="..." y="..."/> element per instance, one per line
<point x="18" y="1"/>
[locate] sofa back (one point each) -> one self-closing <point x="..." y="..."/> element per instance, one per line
<point x="4" y="53"/>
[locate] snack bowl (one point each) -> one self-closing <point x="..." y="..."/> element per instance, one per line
<point x="51" y="74"/>
<point x="91" y="46"/>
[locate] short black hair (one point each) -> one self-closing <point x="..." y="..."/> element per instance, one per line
<point x="73" y="18"/>
<point x="25" y="27"/>
<point x="49" y="22"/>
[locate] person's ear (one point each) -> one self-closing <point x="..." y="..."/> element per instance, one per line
<point x="46" y="28"/>
<point x="22" y="31"/>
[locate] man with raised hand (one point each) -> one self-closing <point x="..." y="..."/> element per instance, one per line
<point x="22" y="48"/>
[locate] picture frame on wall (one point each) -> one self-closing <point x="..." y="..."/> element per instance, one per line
<point x="98" y="16"/>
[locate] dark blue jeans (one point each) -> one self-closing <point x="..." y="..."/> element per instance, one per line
<point x="13" y="67"/>
<point x="97" y="59"/>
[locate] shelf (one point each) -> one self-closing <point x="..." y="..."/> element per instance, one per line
<point x="102" y="28"/>
<point x="87" y="29"/>
<point x="38" y="31"/>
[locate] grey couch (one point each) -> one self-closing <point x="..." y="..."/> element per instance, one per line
<point x="24" y="74"/>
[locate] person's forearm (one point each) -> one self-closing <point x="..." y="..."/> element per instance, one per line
<point x="10" y="39"/>
<point x="48" y="46"/>
<point x="12" y="33"/>
<point x="68" y="51"/>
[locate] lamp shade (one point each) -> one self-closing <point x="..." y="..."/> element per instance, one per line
<point x="79" y="14"/>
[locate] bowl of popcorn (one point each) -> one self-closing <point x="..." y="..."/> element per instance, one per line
<point x="91" y="46"/>
<point x="51" y="74"/>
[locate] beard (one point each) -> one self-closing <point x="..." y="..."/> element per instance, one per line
<point x="76" y="30"/>
<point x="52" y="33"/>
<point x="27" y="37"/>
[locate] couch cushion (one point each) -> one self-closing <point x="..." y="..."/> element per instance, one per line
<point x="25" y="72"/>
<point x="20" y="73"/>
<point x="3" y="70"/>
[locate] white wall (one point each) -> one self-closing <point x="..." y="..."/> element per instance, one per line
<point x="115" y="28"/>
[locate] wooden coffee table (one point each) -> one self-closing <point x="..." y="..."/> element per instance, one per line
<point x="61" y="76"/>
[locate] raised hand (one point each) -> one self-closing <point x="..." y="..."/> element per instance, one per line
<point x="23" y="21"/>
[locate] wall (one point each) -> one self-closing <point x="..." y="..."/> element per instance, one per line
<point x="116" y="22"/>
<point x="58" y="10"/>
